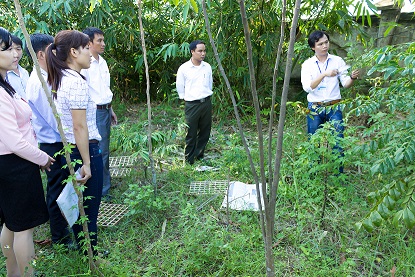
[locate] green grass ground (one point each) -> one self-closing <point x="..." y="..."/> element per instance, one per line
<point x="174" y="233"/>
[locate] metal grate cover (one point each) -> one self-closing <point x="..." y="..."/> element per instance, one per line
<point x="122" y="161"/>
<point x="119" y="172"/>
<point x="109" y="214"/>
<point x="121" y="166"/>
<point x="208" y="187"/>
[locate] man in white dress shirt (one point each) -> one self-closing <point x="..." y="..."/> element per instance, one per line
<point x="98" y="78"/>
<point x="194" y="85"/>
<point x="320" y="77"/>
<point x="47" y="135"/>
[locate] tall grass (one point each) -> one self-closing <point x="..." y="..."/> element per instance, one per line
<point x="174" y="233"/>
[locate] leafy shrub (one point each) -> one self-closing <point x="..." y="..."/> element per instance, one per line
<point x="143" y="200"/>
<point x="390" y="144"/>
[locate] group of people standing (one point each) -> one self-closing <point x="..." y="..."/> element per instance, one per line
<point x="320" y="77"/>
<point x="79" y="83"/>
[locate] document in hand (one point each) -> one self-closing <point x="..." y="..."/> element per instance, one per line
<point x="68" y="202"/>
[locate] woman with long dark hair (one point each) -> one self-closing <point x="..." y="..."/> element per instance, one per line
<point x="65" y="58"/>
<point x="22" y="201"/>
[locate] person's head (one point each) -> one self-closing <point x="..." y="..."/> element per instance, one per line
<point x="68" y="51"/>
<point x="8" y="59"/>
<point x="39" y="43"/>
<point x="18" y="45"/>
<point x="96" y="38"/>
<point x="319" y="40"/>
<point x="198" y="51"/>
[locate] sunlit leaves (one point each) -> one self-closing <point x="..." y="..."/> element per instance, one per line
<point x="394" y="203"/>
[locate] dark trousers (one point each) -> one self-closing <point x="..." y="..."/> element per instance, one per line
<point x="92" y="193"/>
<point x="58" y="225"/>
<point x="104" y="128"/>
<point x="199" y="120"/>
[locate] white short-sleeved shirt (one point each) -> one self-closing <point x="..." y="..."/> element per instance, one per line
<point x="73" y="94"/>
<point x="329" y="88"/>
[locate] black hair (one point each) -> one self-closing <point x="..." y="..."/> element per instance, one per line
<point x="5" y="44"/>
<point x="57" y="55"/>
<point x="193" y="44"/>
<point x="315" y="36"/>
<point x="39" y="42"/>
<point x="91" y="31"/>
<point x="17" y="40"/>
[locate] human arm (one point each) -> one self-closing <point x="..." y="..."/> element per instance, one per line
<point x="49" y="163"/>
<point x="80" y="130"/>
<point x="210" y="79"/>
<point x="328" y="73"/>
<point x="353" y="76"/>
<point x="43" y="120"/>
<point x="180" y="83"/>
<point x="114" y="119"/>
<point x="16" y="134"/>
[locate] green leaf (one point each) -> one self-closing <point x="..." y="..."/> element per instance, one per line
<point x="371" y="5"/>
<point x="408" y="60"/>
<point x="383" y="211"/>
<point x="368" y="225"/>
<point x="92" y="5"/>
<point x="185" y="12"/>
<point x="376" y="218"/>
<point x="411" y="86"/>
<point x="373" y="69"/>
<point x="389" y="71"/>
<point x="408" y="218"/>
<point x="398" y="155"/>
<point x="389" y="202"/>
<point x="395" y="194"/>
<point x="194" y="5"/>
<point x="411" y="206"/>
<point x="396" y="218"/>
<point x="390" y="28"/>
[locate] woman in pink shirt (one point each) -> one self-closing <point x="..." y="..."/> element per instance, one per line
<point x="22" y="202"/>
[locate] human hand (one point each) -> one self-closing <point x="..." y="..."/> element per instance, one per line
<point x="331" y="72"/>
<point x="355" y="74"/>
<point x="48" y="164"/>
<point x="114" y="120"/>
<point x="85" y="173"/>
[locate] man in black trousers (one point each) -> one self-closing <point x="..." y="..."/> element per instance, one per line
<point x="194" y="85"/>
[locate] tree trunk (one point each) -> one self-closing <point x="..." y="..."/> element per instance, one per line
<point x="149" y="130"/>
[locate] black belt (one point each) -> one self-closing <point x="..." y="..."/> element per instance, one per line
<point x="90" y="141"/>
<point x="199" y="100"/>
<point x="104" y="107"/>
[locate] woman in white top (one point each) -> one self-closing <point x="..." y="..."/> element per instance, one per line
<point x="65" y="58"/>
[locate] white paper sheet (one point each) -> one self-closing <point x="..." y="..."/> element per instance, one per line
<point x="242" y="196"/>
<point x="68" y="202"/>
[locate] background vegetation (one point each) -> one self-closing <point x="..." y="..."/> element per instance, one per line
<point x="322" y="219"/>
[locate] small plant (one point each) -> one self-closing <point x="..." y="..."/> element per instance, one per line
<point x="318" y="165"/>
<point x="143" y="200"/>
